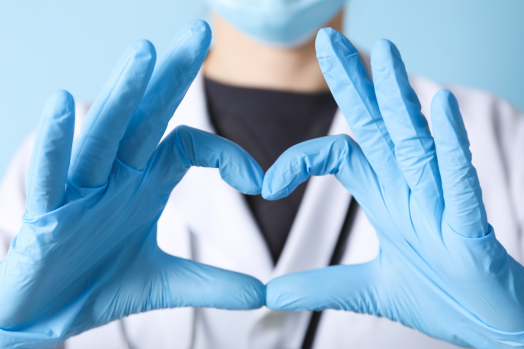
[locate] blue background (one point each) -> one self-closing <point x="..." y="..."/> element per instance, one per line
<point x="72" y="45"/>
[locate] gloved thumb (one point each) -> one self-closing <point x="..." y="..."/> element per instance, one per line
<point x="164" y="281"/>
<point x="195" y="284"/>
<point x="340" y="287"/>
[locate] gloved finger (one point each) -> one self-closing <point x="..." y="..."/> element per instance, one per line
<point x="465" y="210"/>
<point x="354" y="92"/>
<point x="316" y="157"/>
<point x="96" y="146"/>
<point x="187" y="146"/>
<point x="171" y="79"/>
<point x="339" y="155"/>
<point x="408" y="128"/>
<point x="355" y="288"/>
<point x="51" y="154"/>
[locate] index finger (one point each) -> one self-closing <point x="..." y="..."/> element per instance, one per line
<point x="186" y="146"/>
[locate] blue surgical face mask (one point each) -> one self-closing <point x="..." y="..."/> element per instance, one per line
<point x="284" y="23"/>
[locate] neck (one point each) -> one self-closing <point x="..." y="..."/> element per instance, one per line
<point x="238" y="60"/>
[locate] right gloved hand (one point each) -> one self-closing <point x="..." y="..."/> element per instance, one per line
<point x="87" y="252"/>
<point x="440" y="268"/>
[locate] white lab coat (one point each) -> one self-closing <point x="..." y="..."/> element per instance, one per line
<point x="208" y="221"/>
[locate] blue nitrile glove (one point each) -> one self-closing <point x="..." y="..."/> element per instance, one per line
<point x="87" y="253"/>
<point x="440" y="268"/>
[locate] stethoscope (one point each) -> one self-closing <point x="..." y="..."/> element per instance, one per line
<point x="336" y="258"/>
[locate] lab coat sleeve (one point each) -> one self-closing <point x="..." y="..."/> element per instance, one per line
<point x="12" y="194"/>
<point x="503" y="131"/>
<point x="510" y="132"/>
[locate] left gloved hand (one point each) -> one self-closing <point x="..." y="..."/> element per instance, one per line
<point x="440" y="268"/>
<point x="87" y="252"/>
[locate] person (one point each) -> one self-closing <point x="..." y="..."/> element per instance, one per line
<point x="262" y="88"/>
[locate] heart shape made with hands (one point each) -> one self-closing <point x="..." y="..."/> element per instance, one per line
<point x="440" y="268"/>
<point x="87" y="252"/>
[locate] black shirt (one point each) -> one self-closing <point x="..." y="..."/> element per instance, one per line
<point x="266" y="123"/>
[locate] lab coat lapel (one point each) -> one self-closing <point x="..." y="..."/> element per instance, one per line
<point x="217" y="214"/>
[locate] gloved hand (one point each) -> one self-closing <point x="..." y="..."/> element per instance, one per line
<point x="87" y="252"/>
<point x="440" y="268"/>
